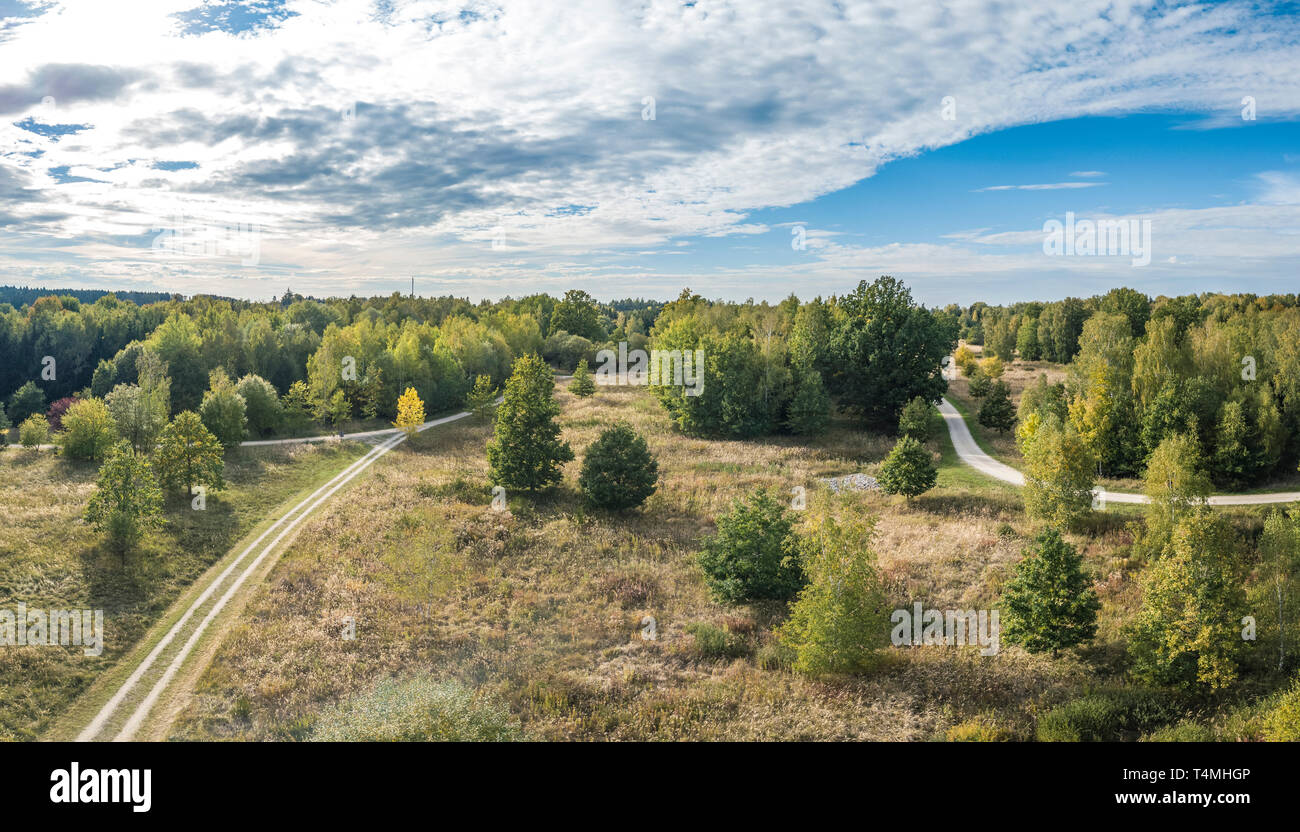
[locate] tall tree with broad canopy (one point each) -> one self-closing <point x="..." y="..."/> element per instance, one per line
<point x="887" y="351"/>
<point x="189" y="454"/>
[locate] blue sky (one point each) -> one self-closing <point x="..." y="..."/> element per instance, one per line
<point x="494" y="148"/>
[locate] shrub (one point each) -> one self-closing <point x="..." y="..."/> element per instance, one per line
<point x="908" y="470"/>
<point x="417" y="710"/>
<point x="753" y="556"/>
<point x="618" y="471"/>
<point x="965" y="360"/>
<point x="54" y="413"/>
<point x="991" y="367"/>
<point x="1106" y="717"/>
<point x="88" y="430"/>
<point x="716" y="643"/>
<point x="34" y="431"/>
<point x="918" y="420"/>
<point x="1282" y="723"/>
<point x="979" y="729"/>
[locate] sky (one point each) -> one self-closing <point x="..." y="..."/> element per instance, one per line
<point x="743" y="149"/>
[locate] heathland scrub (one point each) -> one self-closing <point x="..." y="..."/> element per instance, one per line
<point x="134" y="700"/>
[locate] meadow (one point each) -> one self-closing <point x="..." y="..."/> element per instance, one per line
<point x="542" y="609"/>
<point x="51" y="559"/>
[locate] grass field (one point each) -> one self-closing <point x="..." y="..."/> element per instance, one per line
<point x="50" y="559"/>
<point x="541" y="607"/>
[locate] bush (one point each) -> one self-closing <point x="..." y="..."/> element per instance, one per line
<point x="918" y="420"/>
<point x="54" y="413"/>
<point x="1107" y="717"/>
<point x="565" y="351"/>
<point x="754" y="554"/>
<point x="34" y="431"/>
<point x="417" y="710"/>
<point x="908" y="470"/>
<point x="618" y="471"/>
<point x="979" y="729"/>
<point x="88" y="430"/>
<point x="1282" y="723"/>
<point x="965" y="360"/>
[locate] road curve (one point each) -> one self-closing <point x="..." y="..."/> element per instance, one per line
<point x="969" y="452"/>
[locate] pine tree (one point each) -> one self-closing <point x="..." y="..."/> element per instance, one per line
<point x="618" y="470"/>
<point x="410" y="412"/>
<point x="997" y="411"/>
<point x="753" y="556"/>
<point x="582" y="385"/>
<point x="1049" y="604"/>
<point x="908" y="470"/>
<point x="188" y="455"/>
<point x="810" y="409"/>
<point x="526" y="451"/>
<point x="979" y="384"/>
<point x="127" y="501"/>
<point x="917" y="420"/>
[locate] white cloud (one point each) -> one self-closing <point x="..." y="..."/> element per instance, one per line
<point x="528" y="116"/>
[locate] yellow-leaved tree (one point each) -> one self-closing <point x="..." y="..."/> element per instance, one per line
<point x="410" y="412"/>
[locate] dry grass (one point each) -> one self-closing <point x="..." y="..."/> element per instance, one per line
<point x="543" y="606"/>
<point x="50" y="559"/>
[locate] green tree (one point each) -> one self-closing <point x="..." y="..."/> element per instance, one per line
<point x="34" y="431"/>
<point x="27" y="400"/>
<point x="223" y="411"/>
<point x="1059" y="470"/>
<point x="1175" y="485"/>
<point x="188" y="455"/>
<point x="104" y="378"/>
<point x="126" y="502"/>
<point x="526" y="451"/>
<point x="1231" y="450"/>
<point x="1044" y="398"/>
<point x="908" y="470"/>
<point x="754" y="554"/>
<point x="577" y="315"/>
<point x="298" y="408"/>
<point x="618" y="470"/>
<point x="1188" y="632"/>
<point x="481" y="401"/>
<point x="840" y="620"/>
<point x="336" y="410"/>
<point x="1278" y="589"/>
<point x="979" y="383"/>
<point x="89" y="431"/>
<point x="997" y="411"/>
<point x="1049" y="604"/>
<point x="889" y="351"/>
<point x="1130" y="303"/>
<point x="1000" y="336"/>
<point x="1027" y="339"/>
<point x="582" y="385"/>
<point x="810" y="409"/>
<point x="918" y="420"/>
<point x="138" y="416"/>
<point x="262" y="406"/>
<point x="5" y="426"/>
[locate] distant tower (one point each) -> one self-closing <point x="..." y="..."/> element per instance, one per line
<point x="412" y="285"/>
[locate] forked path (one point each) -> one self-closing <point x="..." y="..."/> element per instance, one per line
<point x="969" y="452"/>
